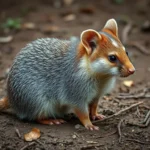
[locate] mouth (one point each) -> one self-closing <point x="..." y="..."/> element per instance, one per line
<point x="123" y="75"/>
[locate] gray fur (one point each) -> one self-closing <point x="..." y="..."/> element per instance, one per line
<point x="43" y="78"/>
<point x="46" y="81"/>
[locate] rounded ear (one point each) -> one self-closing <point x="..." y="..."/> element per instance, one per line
<point x="89" y="39"/>
<point x="111" y="25"/>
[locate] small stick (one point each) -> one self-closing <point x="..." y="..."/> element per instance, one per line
<point x="126" y="32"/>
<point x="18" y="132"/>
<point x="145" y="123"/>
<point x="141" y="95"/>
<point x="137" y="141"/>
<point x="119" y="112"/>
<point x="140" y="47"/>
<point x="90" y="147"/>
<point x="106" y="135"/>
<point x="119" y="129"/>
<point x="41" y="144"/>
<point x="28" y="145"/>
<point x="138" y="112"/>
<point x="146" y="107"/>
<point x="138" y="124"/>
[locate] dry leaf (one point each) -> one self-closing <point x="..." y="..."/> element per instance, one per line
<point x="68" y="2"/>
<point x="32" y="135"/>
<point x="50" y="29"/>
<point x="6" y="39"/>
<point x="87" y="10"/>
<point x="70" y="17"/>
<point x="28" y="25"/>
<point x="128" y="83"/>
<point x="108" y="98"/>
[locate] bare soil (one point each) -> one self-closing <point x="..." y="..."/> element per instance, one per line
<point x="49" y="19"/>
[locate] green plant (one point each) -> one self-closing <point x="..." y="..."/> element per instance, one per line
<point x="118" y="1"/>
<point x="12" y="23"/>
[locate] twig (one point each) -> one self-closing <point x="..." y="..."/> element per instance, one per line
<point x="137" y="141"/>
<point x="28" y="145"/>
<point x="146" y="117"/>
<point x="106" y="135"/>
<point x="137" y="124"/>
<point x="119" y="112"/>
<point x="138" y="112"/>
<point x="144" y="124"/>
<point x="141" y="95"/>
<point x="146" y="107"/>
<point x="91" y="147"/>
<point x="119" y="129"/>
<point x="140" y="47"/>
<point x="18" y="132"/>
<point x="126" y="32"/>
<point x="41" y="144"/>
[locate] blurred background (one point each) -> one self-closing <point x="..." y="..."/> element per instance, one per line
<point x="22" y="21"/>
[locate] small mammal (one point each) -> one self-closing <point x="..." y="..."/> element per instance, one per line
<point x="52" y="77"/>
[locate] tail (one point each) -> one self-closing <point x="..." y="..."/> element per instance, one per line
<point x="4" y="104"/>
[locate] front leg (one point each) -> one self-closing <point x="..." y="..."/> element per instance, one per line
<point x="85" y="119"/>
<point x="93" y="110"/>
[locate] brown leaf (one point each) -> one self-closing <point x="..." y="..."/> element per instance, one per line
<point x="128" y="83"/>
<point x="68" y="2"/>
<point x="28" y="25"/>
<point x="50" y="29"/>
<point x="70" y="17"/>
<point x="32" y="135"/>
<point x="87" y="10"/>
<point x="6" y="39"/>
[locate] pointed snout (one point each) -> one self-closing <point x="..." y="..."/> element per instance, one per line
<point x="131" y="70"/>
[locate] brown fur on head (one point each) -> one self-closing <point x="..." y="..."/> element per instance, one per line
<point x="103" y="53"/>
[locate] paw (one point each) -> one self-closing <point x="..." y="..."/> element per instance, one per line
<point x="91" y="127"/>
<point x="97" y="117"/>
<point x="52" y="121"/>
<point x="56" y="121"/>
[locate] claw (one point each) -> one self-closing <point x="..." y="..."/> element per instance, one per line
<point x="52" y="121"/>
<point x="92" y="127"/>
<point x="98" y="117"/>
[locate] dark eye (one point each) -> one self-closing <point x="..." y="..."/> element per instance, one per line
<point x="92" y="45"/>
<point x="112" y="58"/>
<point x="127" y="53"/>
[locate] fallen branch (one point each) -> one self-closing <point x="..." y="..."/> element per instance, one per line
<point x="119" y="130"/>
<point x="139" y="47"/>
<point x="141" y="95"/>
<point x="120" y="112"/>
<point x="137" y="141"/>
<point x="134" y="95"/>
<point x="144" y="124"/>
<point x="126" y="32"/>
<point x="106" y="135"/>
<point x="27" y="146"/>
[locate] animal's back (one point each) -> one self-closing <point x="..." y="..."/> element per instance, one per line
<point x="35" y="75"/>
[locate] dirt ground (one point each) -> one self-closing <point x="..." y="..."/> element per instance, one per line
<point x="59" y="19"/>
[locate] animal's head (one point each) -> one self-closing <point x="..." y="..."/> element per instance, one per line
<point x="103" y="53"/>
